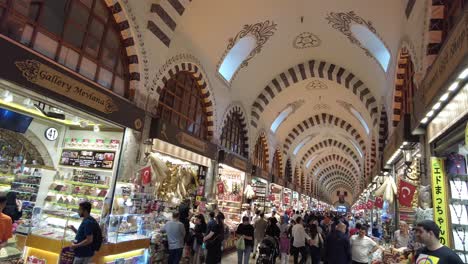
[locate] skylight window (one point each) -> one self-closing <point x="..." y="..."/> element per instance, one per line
<point x="301" y="144"/>
<point x="236" y="56"/>
<point x="372" y="43"/>
<point x="310" y="161"/>
<point x="281" y="117"/>
<point x="361" y="119"/>
<point x="355" y="146"/>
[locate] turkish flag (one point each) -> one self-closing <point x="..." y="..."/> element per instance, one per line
<point x="379" y="202"/>
<point x="370" y="203"/>
<point x="220" y="187"/>
<point x="145" y="175"/>
<point x="272" y="197"/>
<point x="405" y="193"/>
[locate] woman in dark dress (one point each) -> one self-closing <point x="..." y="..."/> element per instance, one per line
<point x="13" y="207"/>
<point x="214" y="239"/>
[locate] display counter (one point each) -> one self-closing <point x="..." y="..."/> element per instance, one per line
<point x="48" y="250"/>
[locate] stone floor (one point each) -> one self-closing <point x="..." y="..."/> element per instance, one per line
<point x="232" y="258"/>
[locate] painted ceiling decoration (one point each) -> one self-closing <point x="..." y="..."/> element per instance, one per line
<point x="345" y="22"/>
<point x="316" y="85"/>
<point x="306" y="40"/>
<point x="261" y="31"/>
<point x="314" y="69"/>
<point x="350" y="109"/>
<point x="319" y="119"/>
<point x="329" y="143"/>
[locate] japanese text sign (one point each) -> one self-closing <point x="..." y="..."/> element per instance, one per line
<point x="439" y="199"/>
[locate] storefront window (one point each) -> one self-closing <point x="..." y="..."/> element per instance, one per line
<point x="260" y="155"/>
<point x="233" y="136"/>
<point x="81" y="35"/>
<point x="181" y="103"/>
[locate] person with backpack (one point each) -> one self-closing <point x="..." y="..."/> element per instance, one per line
<point x="88" y="237"/>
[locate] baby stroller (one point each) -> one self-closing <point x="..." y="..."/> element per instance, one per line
<point x="268" y="250"/>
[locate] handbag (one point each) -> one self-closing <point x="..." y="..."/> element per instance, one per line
<point x="240" y="244"/>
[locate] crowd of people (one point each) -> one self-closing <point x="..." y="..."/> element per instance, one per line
<point x="309" y="237"/>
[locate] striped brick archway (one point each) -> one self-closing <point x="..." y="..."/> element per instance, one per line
<point x="288" y="173"/>
<point x="163" y="21"/>
<point x="128" y="42"/>
<point x="279" y="159"/>
<point x="340" y="168"/>
<point x="208" y="98"/>
<point x="313" y="69"/>
<point x="335" y="158"/>
<point x="263" y="141"/>
<point x="334" y="177"/>
<point x="319" y="119"/>
<point x="233" y="109"/>
<point x="404" y="83"/>
<point x="329" y="143"/>
<point x="383" y="132"/>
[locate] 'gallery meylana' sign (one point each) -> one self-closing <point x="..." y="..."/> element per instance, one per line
<point x="53" y="80"/>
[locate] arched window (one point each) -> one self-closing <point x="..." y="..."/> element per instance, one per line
<point x="236" y="56"/>
<point x="276" y="165"/>
<point x="181" y="103"/>
<point x="79" y="34"/>
<point x="260" y="155"/>
<point x="404" y="87"/>
<point x="288" y="171"/>
<point x="372" y="43"/>
<point x="233" y="136"/>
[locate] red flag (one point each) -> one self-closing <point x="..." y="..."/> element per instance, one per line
<point x="405" y="193"/>
<point x="220" y="187"/>
<point x="379" y="202"/>
<point x="370" y="203"/>
<point x="272" y="197"/>
<point x="145" y="175"/>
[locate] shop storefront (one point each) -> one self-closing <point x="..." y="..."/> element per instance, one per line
<point x="260" y="183"/>
<point x="230" y="193"/>
<point x="441" y="112"/>
<point x="295" y="200"/>
<point x="62" y="139"/>
<point x="304" y="202"/>
<point x="276" y="191"/>
<point x="287" y="199"/>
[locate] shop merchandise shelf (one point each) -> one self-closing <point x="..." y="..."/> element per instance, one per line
<point x="460" y="226"/>
<point x="458" y="201"/>
<point x="463" y="177"/>
<point x="92" y="149"/>
<point x="7" y="175"/>
<point x="25" y="183"/>
<point x="101" y="186"/>
<point x="21" y="191"/>
<point x="4" y="185"/>
<point x="85" y="168"/>
<point x="89" y="197"/>
<point x="70" y="206"/>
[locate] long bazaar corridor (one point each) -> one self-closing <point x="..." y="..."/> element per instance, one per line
<point x="215" y="131"/>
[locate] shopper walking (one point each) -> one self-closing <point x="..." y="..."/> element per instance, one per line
<point x="427" y="232"/>
<point x="88" y="237"/>
<point x="362" y="247"/>
<point x="245" y="231"/>
<point x="259" y="232"/>
<point x="285" y="247"/>
<point x="199" y="232"/>
<point x="175" y="231"/>
<point x="402" y="236"/>
<point x="299" y="237"/>
<point x="337" y="246"/>
<point x="6" y="225"/>
<point x="13" y="207"/>
<point x="316" y="242"/>
<point x="214" y="239"/>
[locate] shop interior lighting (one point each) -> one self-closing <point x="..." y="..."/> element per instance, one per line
<point x="463" y="74"/>
<point x="436" y="106"/>
<point x="393" y="157"/>
<point x="453" y="86"/>
<point x="424" y="120"/>
<point x="7" y="96"/>
<point x="96" y="128"/>
<point x="445" y="97"/>
<point x="430" y="113"/>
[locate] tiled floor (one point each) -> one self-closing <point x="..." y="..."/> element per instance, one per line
<point x="232" y="258"/>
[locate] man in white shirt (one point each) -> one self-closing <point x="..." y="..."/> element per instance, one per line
<point x="300" y="237"/>
<point x="362" y="247"/>
<point x="248" y="213"/>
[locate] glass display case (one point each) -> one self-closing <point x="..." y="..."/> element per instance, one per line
<point x="53" y="224"/>
<point x="129" y="227"/>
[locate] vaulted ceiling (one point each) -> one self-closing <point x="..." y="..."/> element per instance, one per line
<point x="306" y="58"/>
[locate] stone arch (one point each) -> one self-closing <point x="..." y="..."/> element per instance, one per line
<point x="277" y="161"/>
<point x="332" y="178"/>
<point x="288" y="173"/>
<point x="383" y="132"/>
<point x="336" y="159"/>
<point x="319" y="119"/>
<point x="208" y="97"/>
<point x="129" y="43"/>
<point x="314" y="69"/>
<point x="404" y="86"/>
<point x="237" y="109"/>
<point x="328" y="143"/>
<point x="334" y="168"/>
<point x="163" y="22"/>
